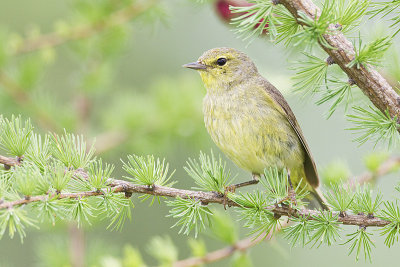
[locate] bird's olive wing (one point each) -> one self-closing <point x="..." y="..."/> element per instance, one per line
<point x="309" y="165"/>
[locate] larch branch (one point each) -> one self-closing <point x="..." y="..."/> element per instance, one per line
<point x="341" y="50"/>
<point x="121" y="186"/>
<point x="220" y="254"/>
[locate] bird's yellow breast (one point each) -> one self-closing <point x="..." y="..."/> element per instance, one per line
<point x="251" y="130"/>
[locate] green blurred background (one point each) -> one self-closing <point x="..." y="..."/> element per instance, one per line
<point x="126" y="88"/>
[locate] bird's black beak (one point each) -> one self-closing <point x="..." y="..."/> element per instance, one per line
<point x="195" y="66"/>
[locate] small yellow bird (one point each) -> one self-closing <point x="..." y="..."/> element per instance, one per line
<point x="250" y="121"/>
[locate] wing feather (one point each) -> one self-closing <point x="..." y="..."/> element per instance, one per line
<point x="309" y="164"/>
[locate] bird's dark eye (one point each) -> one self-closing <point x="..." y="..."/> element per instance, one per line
<point x="221" y="61"/>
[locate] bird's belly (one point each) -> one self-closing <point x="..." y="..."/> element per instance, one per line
<point x="254" y="140"/>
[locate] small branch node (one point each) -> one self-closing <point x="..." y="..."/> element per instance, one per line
<point x="20" y="159"/>
<point x="203" y="203"/>
<point x="275" y="2"/>
<point x="151" y="187"/>
<point x="128" y="194"/>
<point x="338" y="26"/>
<point x="351" y="81"/>
<point x="330" y="60"/>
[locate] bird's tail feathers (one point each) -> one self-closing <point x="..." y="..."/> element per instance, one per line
<point x="317" y="200"/>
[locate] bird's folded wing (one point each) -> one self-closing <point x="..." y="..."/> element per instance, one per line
<point x="309" y="165"/>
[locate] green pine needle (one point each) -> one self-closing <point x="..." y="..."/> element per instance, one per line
<point x="360" y="240"/>
<point x="375" y="125"/>
<point x="26" y="179"/>
<point x="276" y="186"/>
<point x="370" y="54"/>
<point x="298" y="233"/>
<point x="81" y="210"/>
<point x="191" y="213"/>
<point x="349" y="16"/>
<point x="386" y="8"/>
<point x="254" y="213"/>
<point x="15" y="136"/>
<point x="146" y="170"/>
<point x="254" y="19"/>
<point x="391" y="213"/>
<point x="118" y="208"/>
<point x="286" y="27"/>
<point x="15" y="220"/>
<point x="209" y="173"/>
<point x="339" y="197"/>
<point x="51" y="209"/>
<point x="310" y="74"/>
<point x="314" y="29"/>
<point x="98" y="175"/>
<point x="58" y="176"/>
<point x="275" y="183"/>
<point x="364" y="202"/>
<point x="256" y="200"/>
<point x="337" y="91"/>
<point x="39" y="151"/>
<point x="72" y="150"/>
<point x="325" y="229"/>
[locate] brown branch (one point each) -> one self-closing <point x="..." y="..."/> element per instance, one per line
<point x="386" y="167"/>
<point x="27" y="200"/>
<point x="241" y="245"/>
<point x="114" y="19"/>
<point x="8" y="162"/>
<point x="371" y="83"/>
<point x="220" y="254"/>
<point x="120" y="186"/>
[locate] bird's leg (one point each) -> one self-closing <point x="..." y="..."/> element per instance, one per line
<point x="291" y="192"/>
<point x="256" y="178"/>
<point x="232" y="188"/>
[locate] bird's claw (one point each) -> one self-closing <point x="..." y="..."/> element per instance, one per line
<point x="228" y="189"/>
<point x="291" y="197"/>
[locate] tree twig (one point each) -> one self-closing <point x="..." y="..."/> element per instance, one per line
<point x="8" y="162"/>
<point x="121" y="186"/>
<point x="216" y="255"/>
<point x="341" y="50"/>
<point x="386" y="167"/>
<point x="222" y="253"/>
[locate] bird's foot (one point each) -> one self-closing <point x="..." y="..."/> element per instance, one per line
<point x="291" y="197"/>
<point x="228" y="189"/>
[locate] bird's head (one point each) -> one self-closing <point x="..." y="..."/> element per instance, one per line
<point x="222" y="67"/>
